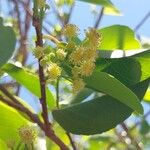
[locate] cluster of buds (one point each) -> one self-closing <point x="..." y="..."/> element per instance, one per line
<point x="50" y="59"/>
<point x="80" y="56"/>
<point x="27" y="134"/>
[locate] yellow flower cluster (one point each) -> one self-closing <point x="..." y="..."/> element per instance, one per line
<point x="83" y="59"/>
<point x="80" y="56"/>
<point x="27" y="134"/>
<point x="50" y="60"/>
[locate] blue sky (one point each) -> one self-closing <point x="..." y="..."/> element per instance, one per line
<point x="133" y="11"/>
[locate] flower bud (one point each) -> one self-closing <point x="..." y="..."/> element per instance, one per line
<point x="61" y="54"/>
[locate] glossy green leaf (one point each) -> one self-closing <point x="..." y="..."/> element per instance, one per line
<point x="110" y="8"/>
<point x="145" y="127"/>
<point x="3" y="145"/>
<point x="27" y="106"/>
<point x="82" y="95"/>
<point x="10" y="121"/>
<point x="7" y="43"/>
<point x="98" y="115"/>
<point x="112" y="11"/>
<point x="118" y="37"/>
<point x="28" y="80"/>
<point x="107" y="84"/>
<point x="126" y="70"/>
<point x="147" y="96"/>
<point x="144" y="59"/>
<point x="99" y="2"/>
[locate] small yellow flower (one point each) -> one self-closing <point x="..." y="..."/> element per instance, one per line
<point x="70" y="30"/>
<point x="61" y="54"/>
<point x="87" y="68"/>
<point x="94" y="37"/>
<point x="76" y="56"/>
<point x="78" y="84"/>
<point x="54" y="71"/>
<point x="27" y="134"/>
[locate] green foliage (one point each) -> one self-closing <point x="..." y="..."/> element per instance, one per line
<point x="3" y="145"/>
<point x="10" y="121"/>
<point x="82" y="95"/>
<point x="107" y="3"/>
<point x="103" y="82"/>
<point x="109" y="8"/>
<point x="118" y="37"/>
<point x="143" y="58"/>
<point x="7" y="43"/>
<point x="126" y="70"/>
<point x="28" y="80"/>
<point x="145" y="127"/>
<point x="97" y="115"/>
<point x="147" y="96"/>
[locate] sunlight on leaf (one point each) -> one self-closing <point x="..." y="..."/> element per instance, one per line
<point x="28" y="80"/>
<point x="97" y="115"/>
<point x="118" y="37"/>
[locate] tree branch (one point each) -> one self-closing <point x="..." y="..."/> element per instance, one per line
<point x="39" y="42"/>
<point x="142" y="22"/>
<point x="48" y="131"/>
<point x="99" y="18"/>
<point x="18" y="106"/>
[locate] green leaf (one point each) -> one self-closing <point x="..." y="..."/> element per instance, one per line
<point x="106" y="3"/>
<point x="28" y="80"/>
<point x="98" y="115"/>
<point x="145" y="127"/>
<point x="112" y="11"/>
<point x="106" y="83"/>
<point x="126" y="70"/>
<point x="7" y="43"/>
<point x="82" y="95"/>
<point x="10" y="121"/>
<point x="118" y="37"/>
<point x="3" y="145"/>
<point x="27" y="106"/>
<point x="109" y="7"/>
<point x="147" y="96"/>
<point x="144" y="59"/>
